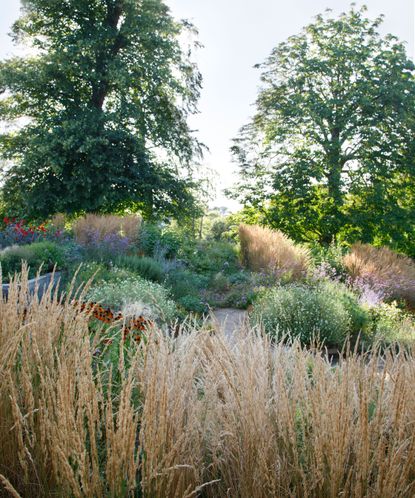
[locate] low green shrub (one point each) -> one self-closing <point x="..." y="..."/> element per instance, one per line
<point x="219" y="282"/>
<point x="212" y="257"/>
<point x="183" y="283"/>
<point x="135" y="296"/>
<point x="240" y="296"/>
<point x="192" y="304"/>
<point x="360" y="317"/>
<point x="391" y="325"/>
<point x="307" y="313"/>
<point x="45" y="255"/>
<point x="329" y="257"/>
<point x="241" y="277"/>
<point x="145" y="267"/>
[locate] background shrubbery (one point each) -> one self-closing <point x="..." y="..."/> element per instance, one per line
<point x="338" y="292"/>
<point x="47" y="255"/>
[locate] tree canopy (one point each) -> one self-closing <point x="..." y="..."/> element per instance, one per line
<point x="329" y="152"/>
<point x="97" y="111"/>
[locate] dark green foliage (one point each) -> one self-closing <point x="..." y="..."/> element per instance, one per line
<point x="171" y="243"/>
<point x="240" y="296"/>
<point x="193" y="304"/>
<point x="219" y="230"/>
<point x="108" y="84"/>
<point x="211" y="257"/>
<point x="330" y="150"/>
<point x="159" y="241"/>
<point x="148" y="239"/>
<point x="186" y="283"/>
<point x="143" y="266"/>
<point x="219" y="282"/>
<point x="39" y="254"/>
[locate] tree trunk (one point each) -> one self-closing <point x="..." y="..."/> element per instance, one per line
<point x="335" y="165"/>
<point x="101" y="87"/>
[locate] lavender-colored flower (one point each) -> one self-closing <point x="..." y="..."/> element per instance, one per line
<point x="371" y="293"/>
<point x="111" y="243"/>
<point x="325" y="271"/>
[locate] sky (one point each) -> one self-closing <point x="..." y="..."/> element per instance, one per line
<point x="236" y="35"/>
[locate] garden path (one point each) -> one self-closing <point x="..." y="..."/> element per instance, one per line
<point x="229" y="320"/>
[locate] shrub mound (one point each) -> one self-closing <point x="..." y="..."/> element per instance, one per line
<point x="39" y="254"/>
<point x="146" y="267"/>
<point x="263" y="249"/>
<point x="327" y="312"/>
<point x="147" y="298"/>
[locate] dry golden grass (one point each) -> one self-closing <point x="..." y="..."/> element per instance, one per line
<point x="265" y="249"/>
<point x="383" y="268"/>
<point x="58" y="421"/>
<point x="196" y="415"/>
<point x="103" y="225"/>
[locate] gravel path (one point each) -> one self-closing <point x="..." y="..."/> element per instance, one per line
<point x="229" y="320"/>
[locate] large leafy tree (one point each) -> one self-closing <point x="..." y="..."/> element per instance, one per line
<point x="97" y="112"/>
<point x="329" y="151"/>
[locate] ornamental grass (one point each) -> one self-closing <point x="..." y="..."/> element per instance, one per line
<point x="104" y="226"/>
<point x="269" y="250"/>
<point x="383" y="269"/>
<point x="194" y="415"/>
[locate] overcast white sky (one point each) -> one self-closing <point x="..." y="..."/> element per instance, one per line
<point x="237" y="34"/>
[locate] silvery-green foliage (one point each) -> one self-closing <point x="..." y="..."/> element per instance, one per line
<point x="302" y="312"/>
<point x="135" y="292"/>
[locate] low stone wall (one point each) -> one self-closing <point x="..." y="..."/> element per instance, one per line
<point x="41" y="283"/>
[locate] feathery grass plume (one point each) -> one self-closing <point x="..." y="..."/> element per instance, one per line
<point x="383" y="269"/>
<point x="264" y="249"/>
<point x="60" y="432"/>
<point x="249" y="418"/>
<point x="101" y="226"/>
<point x="194" y="415"/>
<point x="8" y="487"/>
<point x="173" y="420"/>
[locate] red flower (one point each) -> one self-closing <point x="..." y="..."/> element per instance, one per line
<point x="6" y="220"/>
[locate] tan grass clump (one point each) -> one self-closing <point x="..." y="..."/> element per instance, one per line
<point x="195" y="415"/>
<point x="62" y="433"/>
<point x="107" y="224"/>
<point x="264" y="249"/>
<point x="58" y="221"/>
<point x="383" y="268"/>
